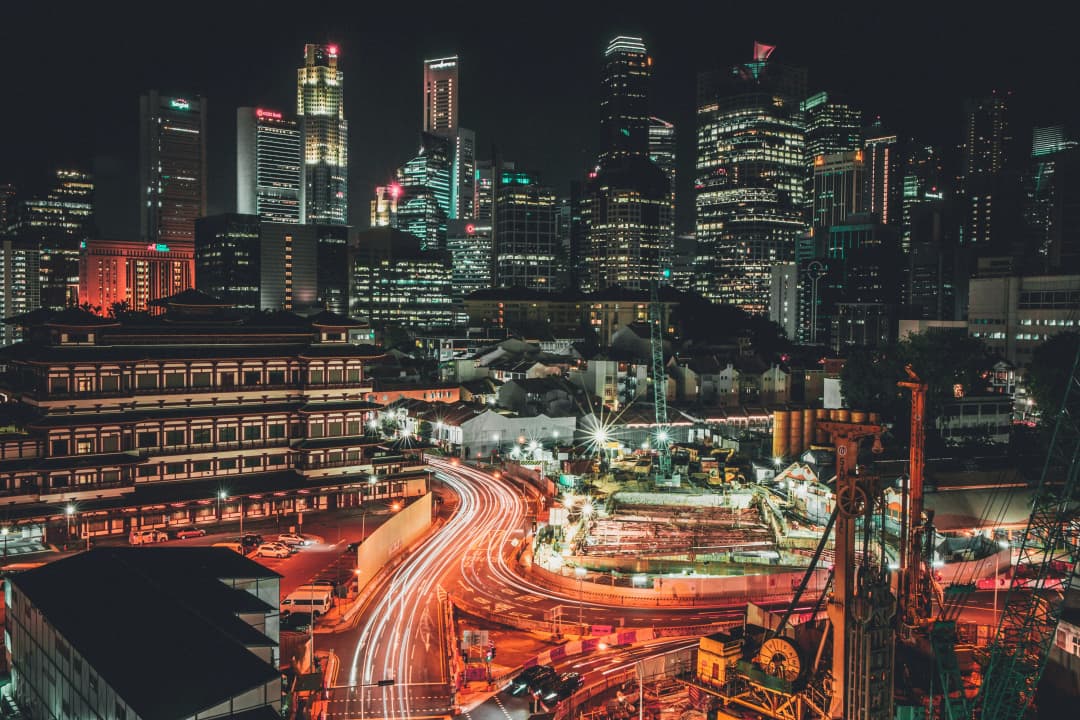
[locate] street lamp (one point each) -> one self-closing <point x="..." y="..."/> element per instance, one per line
<point x="221" y="505"/>
<point x="70" y="512"/>
<point x="580" y="572"/>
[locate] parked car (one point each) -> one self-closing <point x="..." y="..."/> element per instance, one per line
<point x="561" y="688"/>
<point x="315" y="600"/>
<point x="292" y="539"/>
<point x="272" y="550"/>
<point x="531" y="678"/>
<point x="251" y="540"/>
<point x="147" y="537"/>
<point x="297" y="622"/>
<point x="189" y="532"/>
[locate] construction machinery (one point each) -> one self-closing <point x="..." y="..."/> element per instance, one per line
<point x="662" y="441"/>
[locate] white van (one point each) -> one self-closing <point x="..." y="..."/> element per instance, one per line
<point x="146" y="537"/>
<point x="314" y="600"/>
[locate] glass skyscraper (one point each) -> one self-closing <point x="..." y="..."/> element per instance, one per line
<point x="751" y="178"/>
<point x="321" y="109"/>
<point x="269" y="166"/>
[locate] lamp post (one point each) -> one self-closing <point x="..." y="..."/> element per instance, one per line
<point x="580" y="572"/>
<point x="69" y="511"/>
<point x="221" y="505"/>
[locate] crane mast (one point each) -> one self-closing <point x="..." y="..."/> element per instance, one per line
<point x="659" y="374"/>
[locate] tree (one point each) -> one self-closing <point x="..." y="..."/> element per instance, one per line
<point x="1048" y="376"/>
<point x="425" y="430"/>
<point x="868" y="381"/>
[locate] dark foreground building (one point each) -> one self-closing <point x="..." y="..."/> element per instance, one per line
<point x="146" y="634"/>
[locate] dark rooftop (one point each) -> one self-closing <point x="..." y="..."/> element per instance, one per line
<point x="157" y="624"/>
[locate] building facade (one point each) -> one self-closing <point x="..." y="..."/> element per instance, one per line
<point x="144" y="422"/>
<point x="269" y="165"/>
<point x="837" y="187"/>
<point x="1013" y="315"/>
<point x="20" y="288"/>
<point x="525" y="244"/>
<point x="172" y="167"/>
<point x="133" y="273"/>
<point x="83" y="655"/>
<point x="228" y="258"/>
<point x="395" y="280"/>
<point x="751" y="178"/>
<point x="321" y="108"/>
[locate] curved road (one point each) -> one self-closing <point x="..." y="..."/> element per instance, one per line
<point x="398" y="636"/>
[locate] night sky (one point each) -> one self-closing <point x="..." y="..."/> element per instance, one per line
<point x="529" y="78"/>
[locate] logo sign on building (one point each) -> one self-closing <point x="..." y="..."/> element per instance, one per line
<point x="179" y="104"/>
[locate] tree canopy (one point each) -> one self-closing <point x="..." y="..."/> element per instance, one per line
<point x="1048" y="375"/>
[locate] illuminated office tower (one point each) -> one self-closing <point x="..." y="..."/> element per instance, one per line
<point x="20" y="288"/>
<point x="624" y="98"/>
<point x="56" y="225"/>
<point x="321" y="109"/>
<point x="384" y="206"/>
<point x="133" y="272"/>
<point x="172" y="167"/>
<point x="831" y="126"/>
<point x="469" y="244"/>
<point x="883" y="174"/>
<point x="441" y="95"/>
<point x="269" y="167"/>
<point x="751" y="178"/>
<point x="838" y="186"/>
<point x="424" y="204"/>
<point x="662" y="147"/>
<point x="525" y="241"/>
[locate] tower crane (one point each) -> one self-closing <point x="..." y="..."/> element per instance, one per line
<point x="659" y="375"/>
<point x="1029" y="620"/>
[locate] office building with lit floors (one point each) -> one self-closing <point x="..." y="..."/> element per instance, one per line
<point x="195" y="416"/>
<point x="395" y="280"/>
<point x="320" y="107"/>
<point x="133" y="273"/>
<point x="751" y="177"/>
<point x="146" y="634"/>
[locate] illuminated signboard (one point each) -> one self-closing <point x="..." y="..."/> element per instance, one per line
<point x="272" y="114"/>
<point x="158" y="247"/>
<point x="179" y="104"/>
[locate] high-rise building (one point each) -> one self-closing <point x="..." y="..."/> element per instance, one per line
<point x="469" y="245"/>
<point x="228" y="258"/>
<point x="751" y="177"/>
<point x="269" y="165"/>
<point x="441" y="94"/>
<point x="831" y="126"/>
<point x="463" y="173"/>
<point x="8" y="207"/>
<point x="133" y="273"/>
<point x="624" y="99"/>
<point x="662" y="147"/>
<point x="332" y="268"/>
<point x="288" y="276"/>
<point x="627" y="204"/>
<point x="630" y="220"/>
<point x="394" y="280"/>
<point x="172" y="167"/>
<point x="384" y="206"/>
<point x="57" y="225"/>
<point x="883" y="174"/>
<point x="525" y="240"/>
<point x="837" y="187"/>
<point x="981" y="185"/>
<point x="487" y="175"/>
<point x="321" y="109"/>
<point x="922" y="194"/>
<point x="20" y="282"/>
<point x="784" y="297"/>
<point x="424" y="206"/>
<point x="1052" y="207"/>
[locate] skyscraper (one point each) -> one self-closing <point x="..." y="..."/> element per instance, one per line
<point x="269" y="165"/>
<point x="624" y="99"/>
<point x="883" y="174"/>
<point x="837" y="187"/>
<point x="321" y="109"/>
<point x="662" y="148"/>
<point x="751" y="177"/>
<point x="441" y="95"/>
<point x="424" y="205"/>
<point x="627" y="206"/>
<point x="133" y="272"/>
<point x="525" y="241"/>
<point x="20" y="287"/>
<point x="55" y="226"/>
<point x="831" y="126"/>
<point x="980" y="185"/>
<point x="172" y="167"/>
<point x="227" y="258"/>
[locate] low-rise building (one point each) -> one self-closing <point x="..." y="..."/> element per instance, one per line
<point x="146" y="634"/>
<point x="976" y="418"/>
<point x="1014" y="314"/>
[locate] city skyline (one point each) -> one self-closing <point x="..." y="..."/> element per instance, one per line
<point x="500" y="99"/>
